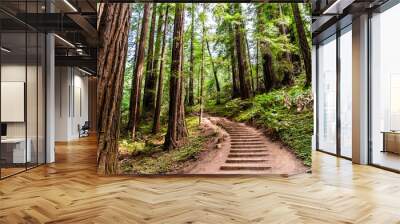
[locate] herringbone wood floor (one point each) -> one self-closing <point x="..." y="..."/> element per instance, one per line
<point x="69" y="191"/>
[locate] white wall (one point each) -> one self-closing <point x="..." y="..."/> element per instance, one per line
<point x="71" y="102"/>
<point x="62" y="82"/>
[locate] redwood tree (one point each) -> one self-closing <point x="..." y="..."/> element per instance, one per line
<point x="113" y="27"/>
<point x="248" y="57"/>
<point x="201" y="86"/>
<point x="157" y="112"/>
<point x="303" y="43"/>
<point x="139" y="68"/>
<point x="215" y="73"/>
<point x="234" y="65"/>
<point x="265" y="51"/>
<point x="243" y="66"/>
<point x="134" y="62"/>
<point x="176" y="132"/>
<point x="191" y="86"/>
<point x="150" y="82"/>
<point x="257" y="66"/>
<point x="286" y="54"/>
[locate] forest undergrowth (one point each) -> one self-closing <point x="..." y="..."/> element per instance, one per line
<point x="286" y="114"/>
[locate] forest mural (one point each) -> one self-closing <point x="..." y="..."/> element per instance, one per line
<point x="204" y="88"/>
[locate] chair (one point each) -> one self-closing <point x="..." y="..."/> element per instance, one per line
<point x="84" y="130"/>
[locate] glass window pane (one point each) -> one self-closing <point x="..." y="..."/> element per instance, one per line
<point x="31" y="97"/>
<point x="14" y="153"/>
<point x="346" y="93"/>
<point x="327" y="95"/>
<point x="41" y="99"/>
<point x="385" y="84"/>
<point x="23" y="88"/>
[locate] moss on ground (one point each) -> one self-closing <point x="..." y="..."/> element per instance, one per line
<point x="147" y="156"/>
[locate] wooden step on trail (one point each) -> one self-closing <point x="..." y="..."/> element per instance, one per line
<point x="247" y="140"/>
<point x="245" y="145"/>
<point x="242" y="135"/>
<point x="246" y="161"/>
<point x="239" y="131"/>
<point x="248" y="150"/>
<point x="234" y="155"/>
<point x="248" y="147"/>
<point x="242" y="132"/>
<point x="245" y="168"/>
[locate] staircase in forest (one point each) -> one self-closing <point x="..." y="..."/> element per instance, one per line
<point x="248" y="152"/>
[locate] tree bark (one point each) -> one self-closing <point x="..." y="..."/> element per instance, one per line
<point x="269" y="77"/>
<point x="139" y="68"/>
<point x="191" y="85"/>
<point x="113" y="27"/>
<point x="176" y="132"/>
<point x="150" y="80"/>
<point x="257" y="66"/>
<point x="243" y="67"/>
<point x="134" y="62"/>
<point x="234" y="64"/>
<point x="287" y="75"/>
<point x="303" y="43"/>
<point x="157" y="112"/>
<point x="249" y="61"/>
<point x="215" y="74"/>
<point x="202" y="67"/>
<point x="152" y="84"/>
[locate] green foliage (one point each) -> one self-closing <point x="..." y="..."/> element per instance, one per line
<point x="132" y="147"/>
<point x="148" y="157"/>
<point x="287" y="114"/>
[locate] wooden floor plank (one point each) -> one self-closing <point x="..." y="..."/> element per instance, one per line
<point x="70" y="191"/>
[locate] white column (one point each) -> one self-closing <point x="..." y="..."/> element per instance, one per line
<point x="360" y="90"/>
<point x="50" y="94"/>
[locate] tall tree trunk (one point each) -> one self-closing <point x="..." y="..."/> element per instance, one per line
<point x="269" y="77"/>
<point x="303" y="43"/>
<point x="287" y="75"/>
<point x="257" y="66"/>
<point x="176" y="132"/>
<point x="268" y="71"/>
<point x="113" y="25"/>
<point x="234" y="64"/>
<point x="202" y="67"/>
<point x="243" y="67"/>
<point x="249" y="61"/>
<point x="134" y="62"/>
<point x="215" y="73"/>
<point x="157" y="112"/>
<point x="181" y="127"/>
<point x="150" y="80"/>
<point x="191" y="83"/>
<point x="139" y="68"/>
